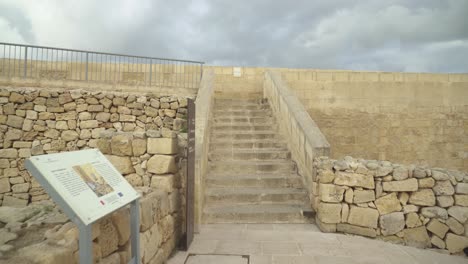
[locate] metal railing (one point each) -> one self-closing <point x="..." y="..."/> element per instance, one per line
<point x="29" y="61"/>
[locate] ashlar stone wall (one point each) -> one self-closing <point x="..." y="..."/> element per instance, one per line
<point x="412" y="205"/>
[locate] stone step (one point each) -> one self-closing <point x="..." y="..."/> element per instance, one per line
<point x="242" y="113"/>
<point x="238" y="167"/>
<point x="255" y="144"/>
<point x="245" y="120"/>
<point x="242" y="127"/>
<point x="256" y="195"/>
<point x="241" y="135"/>
<point x="220" y="107"/>
<point x="255" y="101"/>
<point x="258" y="213"/>
<point x="249" y="154"/>
<point x="266" y="180"/>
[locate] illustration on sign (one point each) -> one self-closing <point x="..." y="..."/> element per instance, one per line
<point x="93" y="179"/>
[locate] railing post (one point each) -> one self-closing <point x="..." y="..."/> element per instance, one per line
<point x="151" y="71"/>
<point x="25" y="62"/>
<point x="86" y="67"/>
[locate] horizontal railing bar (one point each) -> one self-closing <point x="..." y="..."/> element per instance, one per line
<point x="101" y="53"/>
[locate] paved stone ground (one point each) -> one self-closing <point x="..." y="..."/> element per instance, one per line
<point x="298" y="244"/>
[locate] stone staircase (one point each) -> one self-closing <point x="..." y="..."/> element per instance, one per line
<point x="251" y="177"/>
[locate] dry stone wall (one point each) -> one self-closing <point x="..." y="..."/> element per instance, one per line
<point x="138" y="133"/>
<point x="412" y="205"/>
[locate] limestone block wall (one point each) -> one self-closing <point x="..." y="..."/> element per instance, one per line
<point x="412" y="205"/>
<point x="55" y="239"/>
<point x="411" y="118"/>
<point x="305" y="140"/>
<point x="138" y="133"/>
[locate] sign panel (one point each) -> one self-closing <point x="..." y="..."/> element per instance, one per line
<point x="85" y="180"/>
<point x="237" y="72"/>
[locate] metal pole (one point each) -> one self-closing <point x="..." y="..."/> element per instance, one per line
<point x="25" y="61"/>
<point x="86" y="67"/>
<point x="135" y="230"/>
<point x="85" y="244"/>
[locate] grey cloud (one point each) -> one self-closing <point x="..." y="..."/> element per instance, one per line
<point x="396" y="35"/>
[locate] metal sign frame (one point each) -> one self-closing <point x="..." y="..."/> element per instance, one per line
<point x="85" y="230"/>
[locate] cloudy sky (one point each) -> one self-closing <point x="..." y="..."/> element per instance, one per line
<point x="388" y="35"/>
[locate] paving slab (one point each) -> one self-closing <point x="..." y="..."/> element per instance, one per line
<point x="297" y="244"/>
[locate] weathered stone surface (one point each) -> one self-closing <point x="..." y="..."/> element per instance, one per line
<point x="6" y="236"/>
<point x="122" y="164"/>
<point x="331" y="193"/>
<point x="445" y="201"/>
<point x="164" y="183"/>
<point x="89" y="124"/>
<point x="325" y="227"/>
<point x="455" y="226"/>
<point x="417" y="237"/>
<point x="443" y="188"/>
<point x="460" y="213"/>
<point x="409" y="185"/>
<point x="149" y="243"/>
<point x="412" y="220"/>
<point x="69" y="135"/>
<point x="162" y="145"/>
<point x="349" y="196"/>
<point x="461" y="199"/>
<point x="364" y="196"/>
<point x="108" y="239"/>
<point x="14" y="202"/>
<point x="383" y="171"/>
<point x="121" y="145"/>
<point x="326" y="176"/>
<point x="437" y="228"/>
<point x="121" y="221"/>
<point x="45" y="253"/>
<point x="161" y="164"/>
<point x="400" y="173"/>
<point x="10" y="153"/>
<point x="329" y="213"/>
<point x="357" y="230"/>
<point x="15" y="121"/>
<point x="4" y="185"/>
<point x="354" y="180"/>
<point x="366" y="217"/>
<point x="424" y="197"/>
<point x="388" y="204"/>
<point x="344" y="212"/>
<point x="139" y="146"/>
<point x="439" y="175"/>
<point x="434" y="212"/>
<point x="456" y="243"/>
<point x="462" y="188"/>
<point x="392" y="223"/>
<point x="437" y="242"/>
<point x="426" y="183"/>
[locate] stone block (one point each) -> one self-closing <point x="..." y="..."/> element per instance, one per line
<point x="121" y="145"/>
<point x="15" y="121"/>
<point x="121" y="221"/>
<point x="400" y="173"/>
<point x="426" y="183"/>
<point x="363" y="196"/>
<point x="329" y="213"/>
<point x="417" y="237"/>
<point x="434" y="212"/>
<point x="14" y="202"/>
<point x="461" y="188"/>
<point x="439" y="175"/>
<point x="445" y="201"/>
<point x="108" y="238"/>
<point x="409" y="185"/>
<point x="412" y="220"/>
<point x="349" y="196"/>
<point x="326" y="176"/>
<point x="356" y="230"/>
<point x="460" y="213"/>
<point x="354" y="180"/>
<point x="437" y="228"/>
<point x="455" y="226"/>
<point x="5" y="185"/>
<point x="162" y="146"/>
<point x="331" y="193"/>
<point x="122" y="164"/>
<point x="10" y="153"/>
<point x="69" y="135"/>
<point x="161" y="164"/>
<point x="456" y="244"/>
<point x="443" y="188"/>
<point x="365" y="217"/>
<point x="163" y="182"/>
<point x="424" y="197"/>
<point x="392" y="223"/>
<point x="325" y="227"/>
<point x="437" y="242"/>
<point x="139" y="146"/>
<point x="149" y="244"/>
<point x="461" y="199"/>
<point x="388" y="204"/>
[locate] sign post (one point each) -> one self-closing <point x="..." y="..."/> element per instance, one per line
<point x="87" y="187"/>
